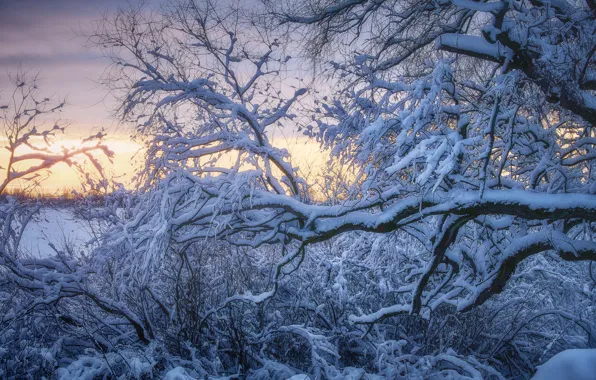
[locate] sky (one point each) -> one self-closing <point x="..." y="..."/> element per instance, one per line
<point x="47" y="36"/>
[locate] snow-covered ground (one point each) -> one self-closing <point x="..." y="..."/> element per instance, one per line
<point x="57" y="226"/>
<point x="569" y="365"/>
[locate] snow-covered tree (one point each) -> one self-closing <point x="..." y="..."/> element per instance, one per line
<point x="40" y="321"/>
<point x="29" y="142"/>
<point x="472" y="123"/>
<point x="459" y="194"/>
<point x="475" y="157"/>
<point x="466" y="128"/>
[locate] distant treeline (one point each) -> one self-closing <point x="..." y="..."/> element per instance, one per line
<point x="64" y="197"/>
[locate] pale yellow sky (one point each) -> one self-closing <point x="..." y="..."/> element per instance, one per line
<point x="306" y="154"/>
<point x="62" y="176"/>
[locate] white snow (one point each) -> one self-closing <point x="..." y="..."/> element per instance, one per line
<point x="55" y="226"/>
<point x="177" y="373"/>
<point x="575" y="364"/>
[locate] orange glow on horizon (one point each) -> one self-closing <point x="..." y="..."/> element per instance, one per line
<point x="305" y="153"/>
<point x="63" y="177"/>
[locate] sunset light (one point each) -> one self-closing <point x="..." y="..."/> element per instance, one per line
<point x="63" y="177"/>
<point x="298" y="189"/>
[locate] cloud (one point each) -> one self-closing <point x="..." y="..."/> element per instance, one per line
<point x="43" y="30"/>
<point x="45" y="35"/>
